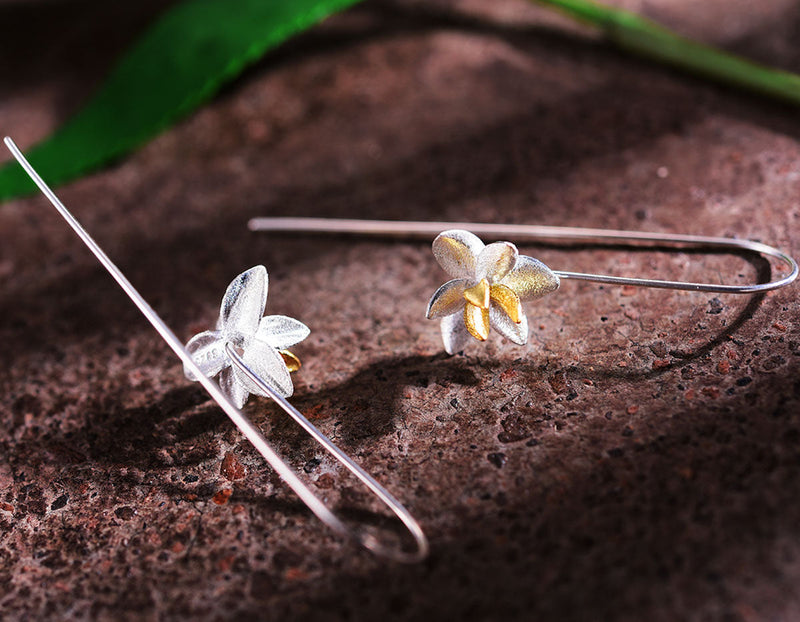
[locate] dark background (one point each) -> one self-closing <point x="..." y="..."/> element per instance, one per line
<point x="638" y="459"/>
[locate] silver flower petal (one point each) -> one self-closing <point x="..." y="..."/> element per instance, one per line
<point x="281" y="331"/>
<point x="233" y="387"/>
<point x="457" y="251"/>
<point x="244" y="302"/>
<point x="208" y="352"/>
<point x="531" y="279"/>
<point x="256" y="339"/>
<point x="265" y="361"/>
<point x="454" y="334"/>
<point x="448" y="299"/>
<point x="495" y="261"/>
<point x="516" y="332"/>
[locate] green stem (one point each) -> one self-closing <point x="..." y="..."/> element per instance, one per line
<point x="638" y="35"/>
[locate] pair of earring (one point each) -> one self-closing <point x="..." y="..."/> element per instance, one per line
<point x="249" y="353"/>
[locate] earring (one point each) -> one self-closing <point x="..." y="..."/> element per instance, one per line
<point x="248" y="353"/>
<point x="491" y="281"/>
<point x="258" y="342"/>
<point x="487" y="290"/>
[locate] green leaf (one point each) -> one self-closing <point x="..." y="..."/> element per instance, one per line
<point x="179" y="63"/>
<point x="640" y="36"/>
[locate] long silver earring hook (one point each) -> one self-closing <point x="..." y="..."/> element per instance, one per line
<point x="416" y="229"/>
<point x="251" y="432"/>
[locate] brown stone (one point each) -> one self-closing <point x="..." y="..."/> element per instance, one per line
<point x="222" y="496"/>
<point x="231" y="468"/>
<point x="619" y="489"/>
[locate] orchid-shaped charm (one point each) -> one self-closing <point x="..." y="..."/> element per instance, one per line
<point x="260" y="341"/>
<point x="490" y="282"/>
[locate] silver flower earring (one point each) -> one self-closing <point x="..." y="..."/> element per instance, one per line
<point x="490" y="282"/>
<point x="489" y="285"/>
<point x="248" y="353"/>
<point x="262" y="341"/>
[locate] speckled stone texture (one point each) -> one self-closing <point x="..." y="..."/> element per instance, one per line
<point x="638" y="460"/>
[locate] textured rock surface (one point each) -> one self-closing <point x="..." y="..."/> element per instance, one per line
<point x="637" y="460"/>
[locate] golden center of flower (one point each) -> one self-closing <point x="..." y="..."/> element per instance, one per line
<point x="479" y="298"/>
<point x="507" y="299"/>
<point x="477" y="321"/>
<point x="292" y="362"/>
<point x="479" y="294"/>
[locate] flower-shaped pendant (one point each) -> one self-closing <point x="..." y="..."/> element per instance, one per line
<point x="260" y="341"/>
<point x="489" y="284"/>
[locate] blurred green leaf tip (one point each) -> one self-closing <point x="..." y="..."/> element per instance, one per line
<point x="180" y="62"/>
<point x="196" y="46"/>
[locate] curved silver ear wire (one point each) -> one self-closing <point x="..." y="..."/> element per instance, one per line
<point x="251" y="432"/>
<point x="489" y="282"/>
<point x="425" y="230"/>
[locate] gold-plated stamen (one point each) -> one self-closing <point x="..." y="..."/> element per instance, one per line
<point x="507" y="300"/>
<point x="292" y="362"/>
<point x="477" y="321"/>
<point x="478" y="295"/>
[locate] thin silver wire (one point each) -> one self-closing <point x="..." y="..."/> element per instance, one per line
<point x="416" y="229"/>
<point x="367" y="540"/>
<point x="251" y="432"/>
